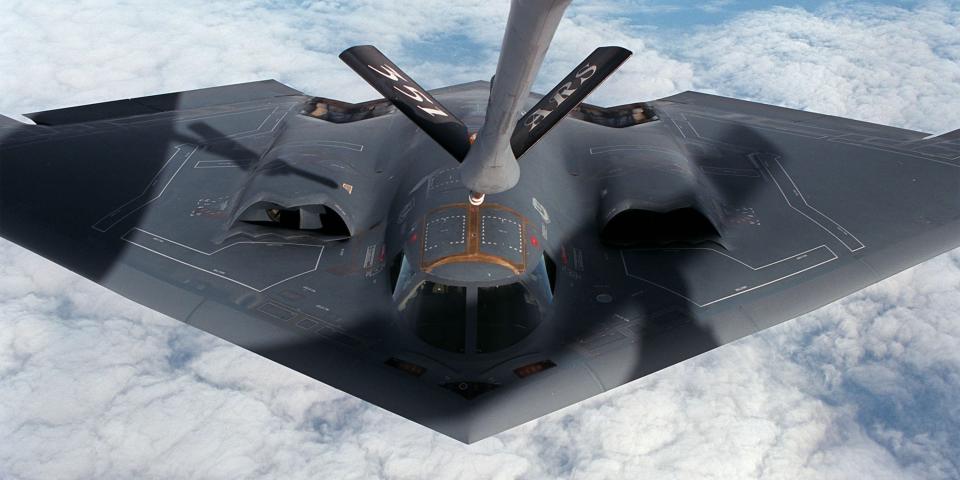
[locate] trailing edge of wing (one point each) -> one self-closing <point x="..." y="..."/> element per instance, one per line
<point x="572" y="90"/>
<point x="411" y="99"/>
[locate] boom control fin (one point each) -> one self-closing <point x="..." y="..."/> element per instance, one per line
<point x="563" y="98"/>
<point x="418" y="105"/>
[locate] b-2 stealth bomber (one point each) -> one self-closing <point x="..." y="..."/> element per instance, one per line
<point x="475" y="256"/>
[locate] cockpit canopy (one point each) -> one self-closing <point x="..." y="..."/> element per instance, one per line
<point x="472" y="318"/>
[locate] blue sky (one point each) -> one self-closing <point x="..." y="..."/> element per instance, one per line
<point x="93" y="385"/>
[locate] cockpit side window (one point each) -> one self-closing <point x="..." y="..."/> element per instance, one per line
<point x="400" y="274"/>
<point x="505" y="315"/>
<point x="541" y="281"/>
<point x="439" y="314"/>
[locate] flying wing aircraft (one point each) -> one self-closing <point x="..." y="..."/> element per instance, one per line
<point x="476" y="256"/>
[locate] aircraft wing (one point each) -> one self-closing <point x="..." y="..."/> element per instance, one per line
<point x="799" y="209"/>
<point x="195" y="204"/>
<point x="882" y="198"/>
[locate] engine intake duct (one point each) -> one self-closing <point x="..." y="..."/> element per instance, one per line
<point x="636" y="227"/>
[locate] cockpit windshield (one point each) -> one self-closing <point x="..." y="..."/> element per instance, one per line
<point x="469" y="319"/>
<point x="439" y="314"/>
<point x="505" y="315"/>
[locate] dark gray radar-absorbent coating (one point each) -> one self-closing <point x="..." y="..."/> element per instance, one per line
<point x="337" y="239"/>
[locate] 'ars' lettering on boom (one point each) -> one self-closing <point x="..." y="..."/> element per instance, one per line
<point x="560" y="95"/>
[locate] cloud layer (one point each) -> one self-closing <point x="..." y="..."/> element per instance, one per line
<point x="93" y="385"/>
